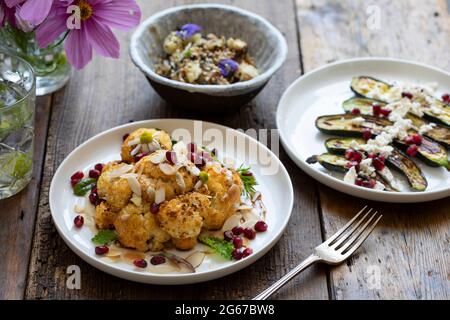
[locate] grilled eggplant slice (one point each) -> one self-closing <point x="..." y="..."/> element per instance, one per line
<point x="397" y="161"/>
<point x="337" y="163"/>
<point x="440" y="134"/>
<point x="372" y="88"/>
<point x="429" y="151"/>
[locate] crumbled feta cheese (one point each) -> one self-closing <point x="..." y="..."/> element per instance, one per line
<point x="350" y="176"/>
<point x="416" y="109"/>
<point x="379" y="186"/>
<point x="357" y="120"/>
<point x="399" y="109"/>
<point x="426" y="127"/>
<point x="434" y="109"/>
<point x="389" y="177"/>
<point x="366" y="167"/>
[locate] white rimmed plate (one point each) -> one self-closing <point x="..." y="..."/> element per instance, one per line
<point x="274" y="184"/>
<point x="322" y="91"/>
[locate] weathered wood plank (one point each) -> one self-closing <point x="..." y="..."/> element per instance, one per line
<point x="411" y="246"/>
<point x="110" y="93"/>
<point x="18" y="216"/>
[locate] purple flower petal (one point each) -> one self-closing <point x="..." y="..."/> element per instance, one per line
<point x="52" y="27"/>
<point x="102" y="39"/>
<point x="120" y="14"/>
<point x="35" y="11"/>
<point x="78" y="48"/>
<point x="12" y="3"/>
<point x="188" y="30"/>
<point x="228" y="67"/>
<point x="2" y="15"/>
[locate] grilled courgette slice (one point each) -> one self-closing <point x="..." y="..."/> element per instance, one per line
<point x="429" y="152"/>
<point x="372" y="88"/>
<point x="397" y="161"/>
<point x="338" y="163"/>
<point x="440" y="134"/>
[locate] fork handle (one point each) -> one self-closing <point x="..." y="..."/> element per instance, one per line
<point x="280" y="283"/>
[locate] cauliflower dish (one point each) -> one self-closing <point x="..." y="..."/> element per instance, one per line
<point x="165" y="194"/>
<point x="193" y="58"/>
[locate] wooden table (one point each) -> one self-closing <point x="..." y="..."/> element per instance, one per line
<point x="410" y="248"/>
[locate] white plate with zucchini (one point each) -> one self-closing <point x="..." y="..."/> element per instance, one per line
<point x="154" y="202"/>
<point x="374" y="128"/>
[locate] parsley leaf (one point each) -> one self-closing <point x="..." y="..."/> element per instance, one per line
<point x="222" y="247"/>
<point x="248" y="180"/>
<point x="104" y="237"/>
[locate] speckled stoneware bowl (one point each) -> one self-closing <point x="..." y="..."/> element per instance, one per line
<point x="266" y="45"/>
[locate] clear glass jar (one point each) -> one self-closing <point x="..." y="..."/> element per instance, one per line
<point x="50" y="64"/>
<point x="17" y="104"/>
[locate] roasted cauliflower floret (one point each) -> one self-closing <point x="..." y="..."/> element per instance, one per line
<point x="225" y="187"/>
<point x="152" y="179"/>
<point x="111" y="187"/>
<point x="181" y="217"/>
<point x="172" y="43"/>
<point x="138" y="228"/>
<point x="104" y="216"/>
<point x="144" y="141"/>
<point x="246" y="72"/>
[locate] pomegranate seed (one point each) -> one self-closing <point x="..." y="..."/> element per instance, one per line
<point x="154" y="208"/>
<point x="171" y="157"/>
<point x="100" y="250"/>
<point x="78" y="221"/>
<point x="249" y="233"/>
<point x="359" y="182"/>
<point x="140" y="156"/>
<point x="378" y="164"/>
<point x="385" y="112"/>
<point x="356" y="111"/>
<point x="349" y="154"/>
<point x="140" y="263"/>
<point x="417" y="139"/>
<point x="94" y="174"/>
<point x="247" y="174"/>
<point x="228" y="235"/>
<point x="192" y="147"/>
<point x="77" y="176"/>
<point x="261" y="226"/>
<point x="74" y="182"/>
<point x="200" y="161"/>
<point x="125" y="136"/>
<point x="376" y="109"/>
<point x="407" y="95"/>
<point x="93" y="198"/>
<point x="369" y="184"/>
<point x="352" y="164"/>
<point x="247" y="252"/>
<point x="237" y="230"/>
<point x="99" y="167"/>
<point x="357" y="157"/>
<point x="412" y="150"/>
<point x="371" y="155"/>
<point x="237" y="242"/>
<point x="446" y="97"/>
<point x="237" y="254"/>
<point x="157" y="260"/>
<point x="367" y="133"/>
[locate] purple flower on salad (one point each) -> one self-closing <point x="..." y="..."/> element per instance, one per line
<point x="228" y="67"/>
<point x="188" y="30"/>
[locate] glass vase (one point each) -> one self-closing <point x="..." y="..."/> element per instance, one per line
<point x="50" y="64"/>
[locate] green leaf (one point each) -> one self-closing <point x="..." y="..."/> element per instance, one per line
<point x="85" y="185"/>
<point x="248" y="180"/>
<point x="105" y="237"/>
<point x="222" y="247"/>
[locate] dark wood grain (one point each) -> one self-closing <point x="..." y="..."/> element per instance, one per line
<point x="109" y="93"/>
<point x="18" y="216"/>
<point x="411" y="245"/>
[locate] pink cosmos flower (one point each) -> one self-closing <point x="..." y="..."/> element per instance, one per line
<point x="97" y="19"/>
<point x="31" y="11"/>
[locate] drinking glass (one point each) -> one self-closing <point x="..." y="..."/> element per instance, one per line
<point x="17" y="104"/>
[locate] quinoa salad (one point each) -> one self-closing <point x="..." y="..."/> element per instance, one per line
<point x="205" y="60"/>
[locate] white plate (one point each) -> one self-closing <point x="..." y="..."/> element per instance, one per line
<point x="276" y="190"/>
<point x="322" y="92"/>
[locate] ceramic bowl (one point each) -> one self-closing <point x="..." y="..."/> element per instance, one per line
<point x="266" y="45"/>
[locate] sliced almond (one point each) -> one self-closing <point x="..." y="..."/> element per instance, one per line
<point x="196" y="258"/>
<point x="120" y="171"/>
<point x="151" y="192"/>
<point x="160" y="195"/>
<point x="136" y="150"/>
<point x="134" y="142"/>
<point x="244" y="207"/>
<point x="158" y="156"/>
<point x="78" y="209"/>
<point x="193" y="170"/>
<point x="134" y="184"/>
<point x="198" y="185"/>
<point x="145" y="148"/>
<point x="167" y="169"/>
<point x="180" y="182"/>
<point x="233" y="221"/>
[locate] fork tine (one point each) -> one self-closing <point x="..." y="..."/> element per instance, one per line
<point x="344" y="228"/>
<point x="356" y="242"/>
<point x="351" y="230"/>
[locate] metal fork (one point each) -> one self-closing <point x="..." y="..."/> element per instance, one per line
<point x="335" y="250"/>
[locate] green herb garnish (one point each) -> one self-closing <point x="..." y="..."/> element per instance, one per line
<point x="105" y="237"/>
<point x="248" y="180"/>
<point x="85" y="185"/>
<point x="187" y="53"/>
<point x="203" y="176"/>
<point x="222" y="247"/>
